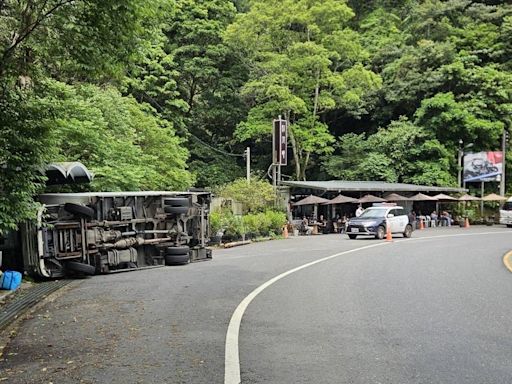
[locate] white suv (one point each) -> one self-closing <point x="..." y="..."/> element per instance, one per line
<point x="373" y="222"/>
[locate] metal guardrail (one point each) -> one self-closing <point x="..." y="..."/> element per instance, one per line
<point x="20" y="304"/>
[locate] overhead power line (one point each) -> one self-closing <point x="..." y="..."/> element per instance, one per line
<point x="194" y="136"/>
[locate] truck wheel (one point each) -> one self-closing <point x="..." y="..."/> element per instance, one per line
<point x="176" y="259"/>
<point x="352" y="237"/>
<point x="408" y="231"/>
<point x="380" y="232"/>
<point x="177" y="201"/>
<point x="176" y="210"/>
<point x="177" y="250"/>
<point x="79" y="210"/>
<point x="75" y="266"/>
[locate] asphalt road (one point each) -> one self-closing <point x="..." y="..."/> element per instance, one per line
<point x="426" y="310"/>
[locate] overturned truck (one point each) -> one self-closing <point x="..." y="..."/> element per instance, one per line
<point x="103" y="232"/>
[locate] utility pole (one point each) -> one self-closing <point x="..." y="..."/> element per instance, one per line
<point x="503" y="153"/>
<point x="459" y="163"/>
<point x="248" y="164"/>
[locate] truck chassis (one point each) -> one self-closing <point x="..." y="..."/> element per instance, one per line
<point x="104" y="232"/>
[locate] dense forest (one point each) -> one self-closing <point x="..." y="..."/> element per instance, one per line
<point x="167" y="94"/>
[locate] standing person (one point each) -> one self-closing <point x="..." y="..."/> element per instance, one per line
<point x="412" y="219"/>
<point x="359" y="210"/>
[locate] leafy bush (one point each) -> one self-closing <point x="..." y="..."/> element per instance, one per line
<point x="269" y="223"/>
<point x="256" y="196"/>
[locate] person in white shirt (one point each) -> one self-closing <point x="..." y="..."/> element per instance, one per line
<point x="359" y="210"/>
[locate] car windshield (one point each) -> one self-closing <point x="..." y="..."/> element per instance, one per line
<point x="373" y="214"/>
<point x="507" y="206"/>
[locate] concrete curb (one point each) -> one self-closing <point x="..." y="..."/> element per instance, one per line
<point x="507" y="260"/>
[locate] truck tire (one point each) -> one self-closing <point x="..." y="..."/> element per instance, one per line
<point x="182" y="250"/>
<point x="177" y="201"/>
<point x="176" y="259"/>
<point x="79" y="210"/>
<point x="85" y="269"/>
<point x="176" y="210"/>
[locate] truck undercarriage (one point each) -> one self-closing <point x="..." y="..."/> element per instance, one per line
<point x="102" y="232"/>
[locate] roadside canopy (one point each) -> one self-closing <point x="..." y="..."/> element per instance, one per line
<point x="396" y="197"/>
<point x="422" y="197"/>
<point x="467" y="197"/>
<point x="494" y="197"/>
<point x="341" y="199"/>
<point x="371" y="199"/>
<point x="311" y="200"/>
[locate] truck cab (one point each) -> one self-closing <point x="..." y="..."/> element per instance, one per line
<point x="506" y="213"/>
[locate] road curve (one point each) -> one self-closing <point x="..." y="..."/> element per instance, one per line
<point x="169" y="325"/>
<point x="426" y="311"/>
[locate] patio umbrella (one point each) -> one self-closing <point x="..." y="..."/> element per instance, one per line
<point x="341" y="199"/>
<point x="467" y="197"/>
<point x="422" y="197"/>
<point x="396" y="197"/>
<point x="371" y="199"/>
<point x="494" y="197"/>
<point x="311" y="200"/>
<point x="442" y="196"/>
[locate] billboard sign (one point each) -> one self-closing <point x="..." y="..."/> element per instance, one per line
<point x="280" y="140"/>
<point x="483" y="166"/>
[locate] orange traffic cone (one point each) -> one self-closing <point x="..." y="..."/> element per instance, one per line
<point x="285" y="231"/>
<point x="388" y="233"/>
<point x="421" y="224"/>
<point x="466" y="223"/>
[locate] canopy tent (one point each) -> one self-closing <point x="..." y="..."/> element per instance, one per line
<point x="494" y="197"/>
<point x="370" y="199"/>
<point x="67" y="173"/>
<point x="422" y="197"/>
<point x="396" y="197"/>
<point x="341" y="199"/>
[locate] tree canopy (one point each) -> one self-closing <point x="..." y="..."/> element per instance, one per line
<point x="167" y="94"/>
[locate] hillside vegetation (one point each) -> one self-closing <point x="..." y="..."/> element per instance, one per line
<point x="161" y="94"/>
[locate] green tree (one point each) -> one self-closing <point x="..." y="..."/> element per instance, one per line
<point x="305" y="62"/>
<point x="124" y="144"/>
<point x="255" y="196"/>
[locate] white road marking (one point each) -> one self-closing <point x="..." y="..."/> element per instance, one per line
<point x="232" y="357"/>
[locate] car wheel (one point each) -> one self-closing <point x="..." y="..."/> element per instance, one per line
<point x="352" y="237"/>
<point x="408" y="231"/>
<point x="509" y="225"/>
<point x="176" y="259"/>
<point x="176" y="210"/>
<point x="177" y="250"/>
<point x="380" y="232"/>
<point x="75" y="266"/>
<point x="79" y="210"/>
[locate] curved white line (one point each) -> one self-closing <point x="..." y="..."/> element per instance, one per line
<point x="232" y="357"/>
